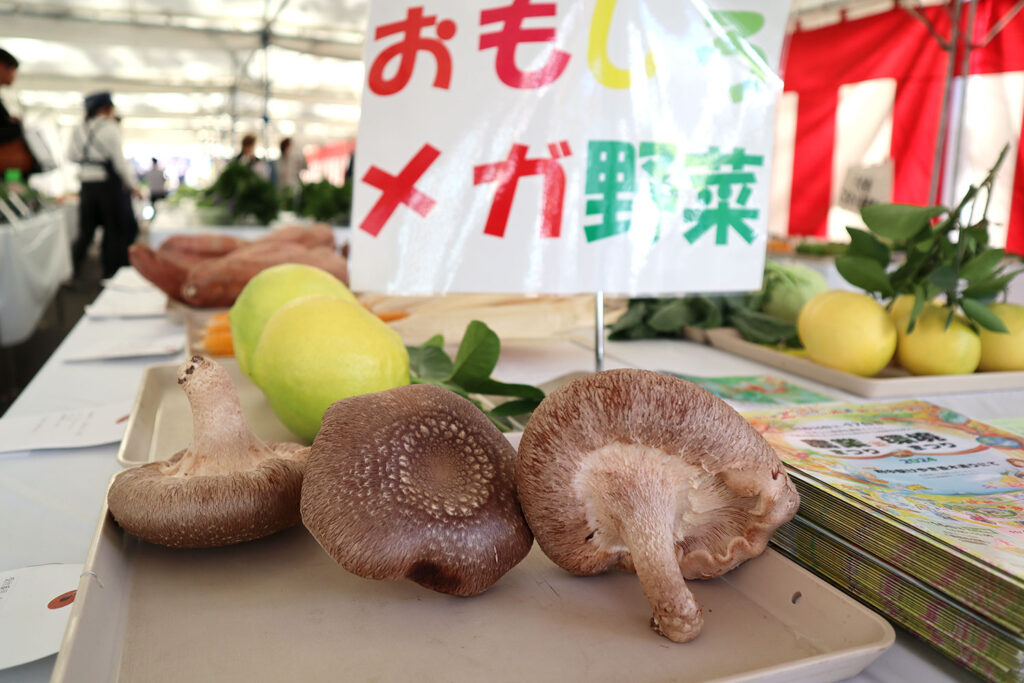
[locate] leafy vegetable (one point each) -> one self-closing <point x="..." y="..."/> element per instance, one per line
<point x="470" y="373"/>
<point x="241" y="193"/>
<point x="950" y="257"/>
<point x="767" y="316"/>
<point x="646" y="318"/>
<point x="326" y="202"/>
<point x="788" y="287"/>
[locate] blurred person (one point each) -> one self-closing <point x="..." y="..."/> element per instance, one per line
<point x="14" y="151"/>
<point x="290" y="166"/>
<point x="106" y="183"/>
<point x="10" y="127"/>
<point x="248" y="157"/>
<point x="248" y="154"/>
<point x="156" y="181"/>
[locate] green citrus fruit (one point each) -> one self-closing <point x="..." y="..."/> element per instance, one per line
<point x="268" y="291"/>
<point x="1001" y="350"/>
<point x="848" y="331"/>
<point x="320" y="349"/>
<point x="934" y="349"/>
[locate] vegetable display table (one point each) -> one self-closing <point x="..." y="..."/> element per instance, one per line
<point x="51" y="500"/>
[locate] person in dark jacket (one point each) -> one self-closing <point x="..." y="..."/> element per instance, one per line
<point x="10" y="127"/>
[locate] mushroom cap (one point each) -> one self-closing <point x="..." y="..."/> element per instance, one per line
<point x="415" y="482"/>
<point x="205" y="511"/>
<point x="729" y="490"/>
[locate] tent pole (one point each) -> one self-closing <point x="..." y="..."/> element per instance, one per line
<point x="965" y="71"/>
<point x="942" y="134"/>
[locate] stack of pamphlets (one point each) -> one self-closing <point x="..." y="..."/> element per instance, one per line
<point x="916" y="510"/>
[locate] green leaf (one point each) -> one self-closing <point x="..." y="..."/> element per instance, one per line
<point x="944" y="277"/>
<point x="493" y="387"/>
<point x="446" y="385"/>
<point x="670" y="316"/>
<point x="904" y="277"/>
<point x="979" y="313"/>
<point x="865" y="273"/>
<point x="634" y="316"/>
<point x="982" y="265"/>
<point x="990" y="285"/>
<point x="863" y="243"/>
<point x="513" y="408"/>
<point x="707" y="312"/>
<point x="762" y="328"/>
<point x="436" y="341"/>
<point x="640" y="331"/>
<point x="429" y="361"/>
<point x="477" y="355"/>
<point x="920" y="299"/>
<point x="898" y="221"/>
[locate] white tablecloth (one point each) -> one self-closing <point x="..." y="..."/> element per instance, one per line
<point x="50" y="500"/>
<point x="35" y="257"/>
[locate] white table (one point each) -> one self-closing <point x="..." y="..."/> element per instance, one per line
<point x="50" y="500"/>
<point x="35" y="257"/>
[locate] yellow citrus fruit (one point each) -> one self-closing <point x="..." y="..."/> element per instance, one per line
<point x="901" y="306"/>
<point x="848" y="331"/>
<point x="268" y="291"/>
<point x="934" y="349"/>
<point x="320" y="349"/>
<point x="1001" y="350"/>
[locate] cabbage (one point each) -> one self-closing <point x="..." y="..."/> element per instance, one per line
<point x="788" y="287"/>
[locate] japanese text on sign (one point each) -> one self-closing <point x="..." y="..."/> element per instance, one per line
<point x="549" y="147"/>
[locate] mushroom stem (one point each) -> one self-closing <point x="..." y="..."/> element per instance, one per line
<point x="221" y="439"/>
<point x="635" y="493"/>
<point x="677" y="616"/>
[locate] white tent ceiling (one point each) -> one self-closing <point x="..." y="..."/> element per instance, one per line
<point x="194" y="71"/>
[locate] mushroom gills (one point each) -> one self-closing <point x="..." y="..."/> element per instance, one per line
<point x="649" y="508"/>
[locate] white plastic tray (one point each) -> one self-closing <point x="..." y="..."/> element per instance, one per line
<point x="890" y="383"/>
<point x="280" y="609"/>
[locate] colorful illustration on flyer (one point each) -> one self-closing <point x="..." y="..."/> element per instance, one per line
<point x="953" y="478"/>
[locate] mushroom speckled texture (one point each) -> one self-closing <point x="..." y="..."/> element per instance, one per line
<point x="228" y="486"/>
<point x="415" y="482"/>
<point x="641" y="471"/>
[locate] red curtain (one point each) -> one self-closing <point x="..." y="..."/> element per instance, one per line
<point x="898" y="46"/>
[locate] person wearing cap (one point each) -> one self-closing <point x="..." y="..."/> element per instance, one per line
<point x="96" y="146"/>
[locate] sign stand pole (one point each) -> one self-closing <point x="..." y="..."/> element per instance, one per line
<point x="599" y="331"/>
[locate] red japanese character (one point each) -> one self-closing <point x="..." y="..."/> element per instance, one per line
<point x="399" y="189"/>
<point x="513" y="33"/>
<point x="507" y="174"/>
<point x="407" y="49"/>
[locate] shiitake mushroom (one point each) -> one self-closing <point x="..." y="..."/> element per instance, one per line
<point x="416" y="483"/>
<point x="645" y="472"/>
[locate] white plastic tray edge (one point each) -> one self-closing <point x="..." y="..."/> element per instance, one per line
<point x="728" y="339"/>
<point x="92" y="645"/>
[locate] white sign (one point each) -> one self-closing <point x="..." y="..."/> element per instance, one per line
<point x="561" y="147"/>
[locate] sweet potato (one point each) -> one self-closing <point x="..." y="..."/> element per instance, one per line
<point x="195" y="248"/>
<point x="218" y="282"/>
<point x="165" y="271"/>
<point x="316" y="235"/>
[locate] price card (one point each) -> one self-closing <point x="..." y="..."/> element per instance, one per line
<point x="35" y="603"/>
